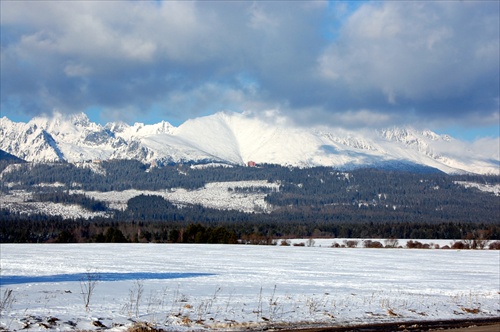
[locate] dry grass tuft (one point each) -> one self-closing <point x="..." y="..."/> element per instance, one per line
<point x="471" y="311"/>
<point x="144" y="327"/>
<point x="391" y="312"/>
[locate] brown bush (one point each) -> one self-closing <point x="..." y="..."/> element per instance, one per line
<point x="351" y="243"/>
<point x="460" y="245"/>
<point x="414" y="244"/>
<point x="417" y="245"/>
<point x="372" y="244"/>
<point x="494" y="245"/>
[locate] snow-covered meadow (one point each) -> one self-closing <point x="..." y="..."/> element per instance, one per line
<point x="217" y="195"/>
<point x="230" y="287"/>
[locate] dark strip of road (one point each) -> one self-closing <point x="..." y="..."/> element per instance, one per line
<point x="469" y="325"/>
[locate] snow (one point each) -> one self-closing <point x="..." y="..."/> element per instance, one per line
<point x="93" y="166"/>
<point x="210" y="165"/>
<point x="230" y="287"/>
<point x="490" y="188"/>
<point x="19" y="201"/>
<point x="217" y="195"/>
<point x="236" y="138"/>
<point x="50" y="185"/>
<point x="10" y="169"/>
<point x="141" y="129"/>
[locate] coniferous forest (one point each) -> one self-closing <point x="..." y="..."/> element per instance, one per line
<point x="310" y="202"/>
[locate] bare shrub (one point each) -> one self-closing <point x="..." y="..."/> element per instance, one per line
<point x="259" y="306"/>
<point x="274" y="305"/>
<point x="207" y="305"/>
<point x="87" y="284"/>
<point x="477" y="239"/>
<point x="391" y="243"/>
<point x="313" y="305"/>
<point x="6" y="300"/>
<point x="482" y="238"/>
<point x="310" y="243"/>
<point x="135" y="296"/>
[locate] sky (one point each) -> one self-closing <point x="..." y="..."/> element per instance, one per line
<point x="352" y="64"/>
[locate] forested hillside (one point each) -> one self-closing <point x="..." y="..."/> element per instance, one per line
<point x="306" y="202"/>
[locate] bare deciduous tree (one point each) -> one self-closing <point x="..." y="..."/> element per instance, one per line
<point x="391" y="243"/>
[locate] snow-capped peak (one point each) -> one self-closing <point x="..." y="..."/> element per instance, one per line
<point x="237" y="138"/>
<point x="62" y="122"/>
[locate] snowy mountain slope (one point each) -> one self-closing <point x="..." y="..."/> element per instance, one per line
<point x="139" y="129"/>
<point x="26" y="141"/>
<point x="59" y="138"/>
<point x="236" y="138"/>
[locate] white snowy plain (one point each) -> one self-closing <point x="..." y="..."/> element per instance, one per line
<point x="235" y="287"/>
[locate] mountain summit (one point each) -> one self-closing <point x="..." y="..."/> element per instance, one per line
<point x="235" y="138"/>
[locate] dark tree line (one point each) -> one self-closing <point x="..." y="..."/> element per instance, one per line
<point x="57" y="196"/>
<point x="16" y="228"/>
<point x="317" y="201"/>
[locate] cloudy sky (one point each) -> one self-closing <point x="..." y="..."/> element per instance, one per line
<point x="432" y="64"/>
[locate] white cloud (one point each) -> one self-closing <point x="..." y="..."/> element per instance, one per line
<point x="488" y="147"/>
<point x="417" y="51"/>
<point x="260" y="19"/>
<point x="77" y="70"/>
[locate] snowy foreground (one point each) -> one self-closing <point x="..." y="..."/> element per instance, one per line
<point x="234" y="287"/>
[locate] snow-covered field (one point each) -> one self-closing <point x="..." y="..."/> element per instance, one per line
<point x="230" y="287"/>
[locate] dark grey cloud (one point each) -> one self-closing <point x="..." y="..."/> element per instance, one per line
<point x="383" y="63"/>
<point x="132" y="55"/>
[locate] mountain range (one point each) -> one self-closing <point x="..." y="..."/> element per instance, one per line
<point x="238" y="138"/>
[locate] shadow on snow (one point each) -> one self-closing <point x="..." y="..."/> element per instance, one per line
<point x="104" y="276"/>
